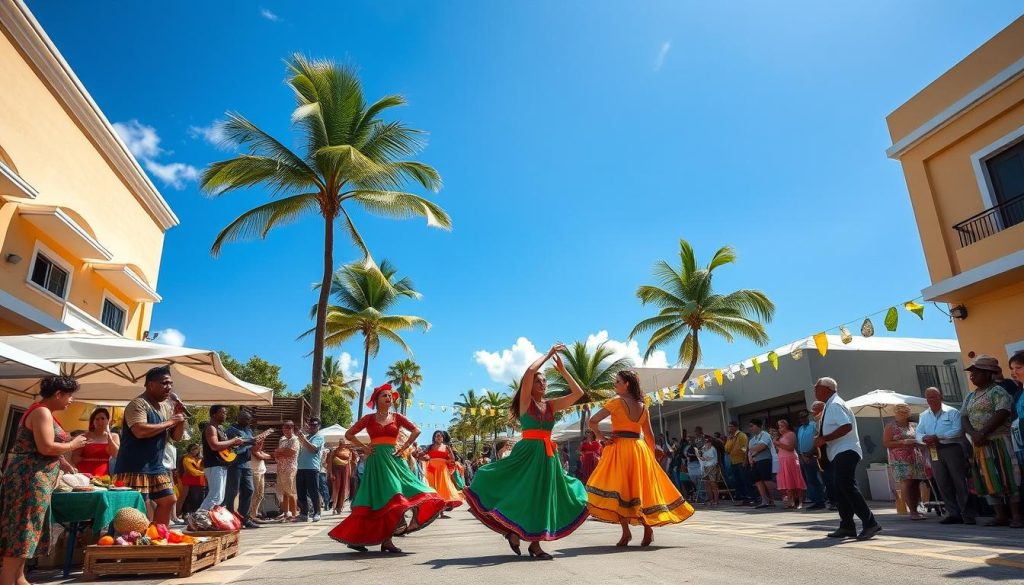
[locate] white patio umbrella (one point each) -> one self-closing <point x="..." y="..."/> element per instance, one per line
<point x="571" y="430"/>
<point x="882" y="403"/>
<point x="15" y="363"/>
<point x="111" y="369"/>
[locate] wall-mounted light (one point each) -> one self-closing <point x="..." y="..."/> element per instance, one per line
<point x="958" y="312"/>
<point x="13" y="258"/>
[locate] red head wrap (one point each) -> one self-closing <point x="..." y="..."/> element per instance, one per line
<point x="372" y="403"/>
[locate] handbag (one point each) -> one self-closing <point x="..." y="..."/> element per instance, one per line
<point x="225" y="519"/>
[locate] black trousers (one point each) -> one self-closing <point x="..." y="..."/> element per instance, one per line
<point x="240" y="484"/>
<point x="307" y="490"/>
<point x="951" y="473"/>
<point x="195" y="496"/>
<point x="842" y="474"/>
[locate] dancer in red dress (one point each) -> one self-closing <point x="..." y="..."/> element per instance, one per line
<point x="590" y="454"/>
<point x="388" y="489"/>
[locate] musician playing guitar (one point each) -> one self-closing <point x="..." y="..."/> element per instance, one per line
<point x="215" y="467"/>
<point x="240" y="480"/>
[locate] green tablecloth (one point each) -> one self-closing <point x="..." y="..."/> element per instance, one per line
<point x="98" y="506"/>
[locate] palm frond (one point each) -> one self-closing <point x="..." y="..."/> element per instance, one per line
<point x="258" y="222"/>
<point x="400" y="205"/>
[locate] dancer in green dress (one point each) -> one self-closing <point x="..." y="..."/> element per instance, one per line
<point x="527" y="495"/>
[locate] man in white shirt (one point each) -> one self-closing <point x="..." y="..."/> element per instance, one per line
<point x="839" y="435"/>
<point x="940" y="431"/>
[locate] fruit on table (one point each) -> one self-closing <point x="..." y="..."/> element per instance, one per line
<point x="105" y="541"/>
<point x="130" y="520"/>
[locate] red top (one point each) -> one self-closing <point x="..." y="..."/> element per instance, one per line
<point x="94" y="459"/>
<point x="435" y="454"/>
<point x="590" y="446"/>
<point x="375" y="429"/>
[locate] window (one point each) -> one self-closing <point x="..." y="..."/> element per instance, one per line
<point x="1006" y="173"/>
<point x="945" y="377"/>
<point x="113" y="315"/>
<point x="50" y="276"/>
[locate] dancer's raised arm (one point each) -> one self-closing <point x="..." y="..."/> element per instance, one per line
<point x="526" y="385"/>
<point x="575" y="392"/>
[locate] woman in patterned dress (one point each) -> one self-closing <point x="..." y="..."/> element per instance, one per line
<point x="905" y="458"/>
<point x="30" y="477"/>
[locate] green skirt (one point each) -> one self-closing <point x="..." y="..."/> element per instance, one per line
<point x="387" y="491"/>
<point x="529" y="494"/>
<point x="460" y="483"/>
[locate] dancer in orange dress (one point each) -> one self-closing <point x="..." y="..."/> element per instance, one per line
<point x="438" y="457"/>
<point x="628" y="486"/>
<point x="388" y="489"/>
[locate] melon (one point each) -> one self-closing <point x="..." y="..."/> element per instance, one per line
<point x="129" y="519"/>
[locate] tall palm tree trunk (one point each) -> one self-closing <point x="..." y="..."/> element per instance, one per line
<point x="321" y="316"/>
<point x="362" y="383"/>
<point x="693" y="362"/>
<point x="584" y="417"/>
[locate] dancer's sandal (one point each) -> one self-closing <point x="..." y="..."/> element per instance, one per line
<point x="358" y="547"/>
<point x="389" y="549"/>
<point x="648" y="536"/>
<point x="539" y="554"/>
<point x="514" y="545"/>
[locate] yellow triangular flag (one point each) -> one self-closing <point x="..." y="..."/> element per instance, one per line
<point x="493" y="412"/>
<point x="463" y="411"/>
<point x="421" y="404"/>
<point x="915" y="308"/>
<point x="774" y="359"/>
<point x="821" y="342"/>
<point x="718" y="377"/>
<point x="757" y="365"/>
<point x="700" y="382"/>
<point x="408" y="402"/>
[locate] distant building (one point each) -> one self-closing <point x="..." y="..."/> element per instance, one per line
<point x="961" y="144"/>
<point x="81" y="225"/>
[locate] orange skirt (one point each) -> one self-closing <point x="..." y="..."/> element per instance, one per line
<point x="438" y="478"/>
<point x="629" y="485"/>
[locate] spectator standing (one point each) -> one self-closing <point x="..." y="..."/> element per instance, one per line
<point x="285" y="455"/>
<point x="239" y="478"/>
<point x="192" y="478"/>
<point x="323" y="482"/>
<point x="939" y="430"/>
<point x="789" y="479"/>
<point x="905" y="461"/>
<point x="307" y="475"/>
<point x="258" y="464"/>
<point x="736" y="448"/>
<point x="986" y="421"/>
<point x="710" y="469"/>
<point x="805" y="434"/>
<point x="759" y="456"/>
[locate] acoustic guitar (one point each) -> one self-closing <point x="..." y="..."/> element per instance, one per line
<point x="229" y="455"/>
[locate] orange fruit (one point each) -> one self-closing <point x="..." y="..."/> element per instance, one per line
<point x="105" y="541"/>
<point x="152" y="532"/>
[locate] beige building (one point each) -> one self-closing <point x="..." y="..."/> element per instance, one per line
<point x="81" y="225"/>
<point x="960" y="142"/>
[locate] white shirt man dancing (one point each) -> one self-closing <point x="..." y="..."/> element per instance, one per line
<point x="839" y="435"/>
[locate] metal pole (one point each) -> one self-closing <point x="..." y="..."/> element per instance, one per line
<point x="725" y="423"/>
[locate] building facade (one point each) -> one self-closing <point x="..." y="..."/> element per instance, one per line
<point x="81" y="225"/>
<point x="960" y="142"/>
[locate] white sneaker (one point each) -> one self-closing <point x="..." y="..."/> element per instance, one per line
<point x="316" y="517"/>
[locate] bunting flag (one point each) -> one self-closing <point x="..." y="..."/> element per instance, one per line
<point x="774" y="359"/>
<point x="821" y="342"/>
<point x="743" y="369"/>
<point x="444" y="408"/>
<point x="730" y="375"/>
<point x="915" y="309"/>
<point x="431" y="406"/>
<point x="700" y="382"/>
<point x="845" y="335"/>
<point x="797" y="353"/>
<point x="718" y="377"/>
<point x="463" y="411"/>
<point x="867" y="329"/>
<point x="647" y="401"/>
<point x="892" y="319"/>
<point x="756" y="364"/>
<point x="408" y="402"/>
<point x="421" y="405"/>
<point x="493" y="412"/>
<point x="681" y="389"/>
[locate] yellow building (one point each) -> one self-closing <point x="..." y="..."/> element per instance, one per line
<point x="81" y="225"/>
<point x="961" y="143"/>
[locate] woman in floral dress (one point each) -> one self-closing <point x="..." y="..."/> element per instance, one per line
<point x="905" y="458"/>
<point x="31" y="476"/>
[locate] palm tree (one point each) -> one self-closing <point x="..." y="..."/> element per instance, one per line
<point x="406" y="375"/>
<point x="595" y="371"/>
<point x="364" y="294"/>
<point x="472" y="423"/>
<point x="350" y="156"/>
<point x="499" y="402"/>
<point x="333" y="377"/>
<point x="689" y="305"/>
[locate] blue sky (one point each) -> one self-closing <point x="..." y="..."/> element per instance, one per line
<point x="578" y="142"/>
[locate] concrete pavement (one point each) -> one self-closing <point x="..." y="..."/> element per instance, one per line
<point x="726" y="545"/>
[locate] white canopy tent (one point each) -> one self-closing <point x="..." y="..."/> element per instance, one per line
<point x="571" y="430"/>
<point x="882" y="403"/>
<point x="335" y="433"/>
<point x="111" y="369"/>
<point x="15" y="363"/>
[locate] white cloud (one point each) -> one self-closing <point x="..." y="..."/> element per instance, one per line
<point x="265" y="13"/>
<point x="350" y="370"/>
<point x="173" y="174"/>
<point x="144" y="144"/>
<point x="627" y="349"/>
<point x="213" y="134"/>
<point x="142" y="141"/>
<point x="508" y="365"/>
<point x="662" y="53"/>
<point x="169" y="337"/>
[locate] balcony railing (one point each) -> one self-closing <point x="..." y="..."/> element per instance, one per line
<point x="991" y="221"/>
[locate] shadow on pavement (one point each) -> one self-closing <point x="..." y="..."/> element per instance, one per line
<point x="475" y="562"/>
<point x="340" y="556"/>
<point x="608" y="549"/>
<point x="992" y="570"/>
<point x="900" y="527"/>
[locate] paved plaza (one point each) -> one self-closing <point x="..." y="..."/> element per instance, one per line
<point x="715" y="546"/>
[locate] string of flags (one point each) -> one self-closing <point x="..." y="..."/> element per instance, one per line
<point x="719" y="375"/>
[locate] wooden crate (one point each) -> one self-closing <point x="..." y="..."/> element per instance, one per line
<point x="179" y="559"/>
<point x="230" y="540"/>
